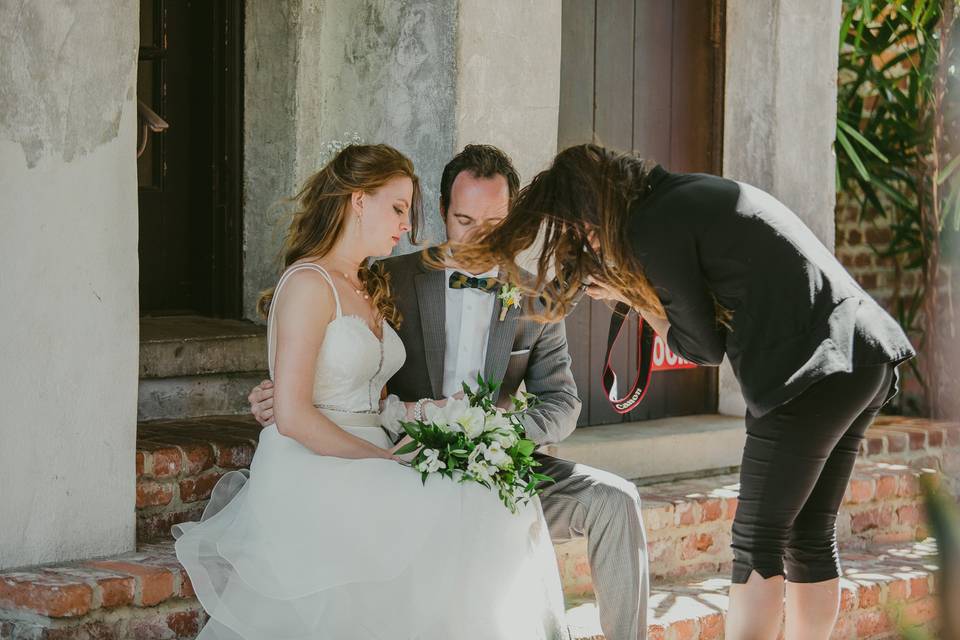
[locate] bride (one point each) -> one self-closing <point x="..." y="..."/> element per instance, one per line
<point x="329" y="536"/>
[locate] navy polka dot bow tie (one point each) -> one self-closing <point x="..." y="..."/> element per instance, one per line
<point x="463" y="281"/>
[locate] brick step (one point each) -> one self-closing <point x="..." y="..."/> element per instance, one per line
<point x="146" y="595"/>
<point x="884" y="591"/>
<point x="688" y="523"/>
<point x="193" y="366"/>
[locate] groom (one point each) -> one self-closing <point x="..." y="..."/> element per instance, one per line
<point x="453" y="328"/>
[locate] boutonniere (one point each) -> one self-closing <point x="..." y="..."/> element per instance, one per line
<point x="509" y="296"/>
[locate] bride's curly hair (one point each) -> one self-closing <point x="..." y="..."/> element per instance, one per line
<point x="321" y="217"/>
<point x="587" y="192"/>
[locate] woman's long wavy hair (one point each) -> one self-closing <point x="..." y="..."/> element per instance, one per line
<point x="321" y="216"/>
<point x="587" y="190"/>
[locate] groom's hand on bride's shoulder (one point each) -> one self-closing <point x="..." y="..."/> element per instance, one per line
<point x="261" y="402"/>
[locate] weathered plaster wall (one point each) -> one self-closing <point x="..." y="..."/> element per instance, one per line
<point x="780" y="109"/>
<point x="508" y="81"/>
<point x="68" y="277"/>
<point x="371" y="70"/>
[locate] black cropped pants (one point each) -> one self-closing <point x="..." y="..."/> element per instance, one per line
<point x="797" y="461"/>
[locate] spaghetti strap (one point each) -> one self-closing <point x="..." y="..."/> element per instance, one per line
<point x="271" y="332"/>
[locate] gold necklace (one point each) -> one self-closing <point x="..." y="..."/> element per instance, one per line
<point x="359" y="291"/>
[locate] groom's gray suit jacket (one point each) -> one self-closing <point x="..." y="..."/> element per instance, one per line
<point x="518" y="350"/>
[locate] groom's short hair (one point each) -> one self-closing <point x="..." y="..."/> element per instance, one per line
<point x="483" y="161"/>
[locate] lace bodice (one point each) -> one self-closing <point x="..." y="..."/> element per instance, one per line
<point x="353" y="366"/>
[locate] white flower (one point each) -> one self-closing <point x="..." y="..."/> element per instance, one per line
<point x="496" y="456"/>
<point x="496" y="421"/>
<point x="505" y="437"/>
<point x="478" y="468"/>
<point x="431" y="461"/>
<point x="472" y="421"/>
<point x="446" y="417"/>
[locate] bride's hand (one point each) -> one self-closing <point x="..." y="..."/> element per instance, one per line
<point x="599" y="290"/>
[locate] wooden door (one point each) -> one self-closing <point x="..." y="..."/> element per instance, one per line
<point x="647" y="76"/>
<point x="190" y="74"/>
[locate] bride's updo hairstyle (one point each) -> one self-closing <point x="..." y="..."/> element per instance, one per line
<point x="321" y="216"/>
<point x="587" y="191"/>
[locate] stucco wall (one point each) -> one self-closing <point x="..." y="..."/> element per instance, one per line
<point x="322" y="73"/>
<point x="779" y="112"/>
<point x="508" y="83"/>
<point x="68" y="278"/>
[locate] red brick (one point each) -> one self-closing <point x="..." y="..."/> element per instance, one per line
<point x="711" y="510"/>
<point x="874" y="446"/>
<point x="898" y="591"/>
<point x="919" y="587"/>
<point x="868" y="281"/>
<point x="878" y="236"/>
<point x="154" y="584"/>
<point x="186" y="624"/>
<point x="186" y="587"/>
<point x="656" y="632"/>
<point x="854" y="237"/>
<point x="862" y="259"/>
<point x="868" y="595"/>
<point x="909" y="486"/>
<point x="46" y="594"/>
<point x="896" y="442"/>
<point x="865" y="520"/>
<point x="234" y="456"/>
<point x="139" y="464"/>
<point x="935" y="437"/>
<point x="861" y="490"/>
<point x="731" y="508"/>
<point x="683" y="630"/>
<point x="199" y="488"/>
<point x="909" y="515"/>
<point x="886" y="487"/>
<point x="848" y="600"/>
<point x="199" y="457"/>
<point x="116" y="592"/>
<point x="873" y="623"/>
<point x="921" y="611"/>
<point x="153" y="494"/>
<point x="711" y="627"/>
<point x="694" y="545"/>
<point x="918" y="440"/>
<point x="166" y="462"/>
<point x="685" y="514"/>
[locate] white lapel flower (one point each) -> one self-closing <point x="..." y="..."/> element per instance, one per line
<point x="509" y="297"/>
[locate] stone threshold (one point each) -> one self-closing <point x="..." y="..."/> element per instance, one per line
<point x="658" y="450"/>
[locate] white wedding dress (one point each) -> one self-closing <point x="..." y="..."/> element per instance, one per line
<point x="315" y="547"/>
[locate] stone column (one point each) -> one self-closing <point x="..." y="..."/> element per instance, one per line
<point x="68" y="279"/>
<point x="780" y="104"/>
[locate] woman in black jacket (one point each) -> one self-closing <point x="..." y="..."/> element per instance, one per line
<point x="721" y="268"/>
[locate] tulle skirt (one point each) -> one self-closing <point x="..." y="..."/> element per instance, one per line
<point x="316" y="547"/>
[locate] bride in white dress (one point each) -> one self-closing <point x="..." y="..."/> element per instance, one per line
<point x="329" y="536"/>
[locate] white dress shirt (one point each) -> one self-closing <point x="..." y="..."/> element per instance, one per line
<point x="468" y="314"/>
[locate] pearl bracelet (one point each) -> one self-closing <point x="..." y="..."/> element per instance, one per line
<point x="418" y="410"/>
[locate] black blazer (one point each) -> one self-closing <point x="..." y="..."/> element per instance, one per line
<point x="798" y="316"/>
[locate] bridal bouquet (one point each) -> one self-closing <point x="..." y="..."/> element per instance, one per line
<point x="471" y="439"/>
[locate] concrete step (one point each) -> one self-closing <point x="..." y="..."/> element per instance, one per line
<point x="146" y="595"/>
<point x="192" y="366"/>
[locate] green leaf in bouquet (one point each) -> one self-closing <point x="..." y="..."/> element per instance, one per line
<point x="525" y="447"/>
<point x="411" y="446"/>
<point x="541" y="477"/>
